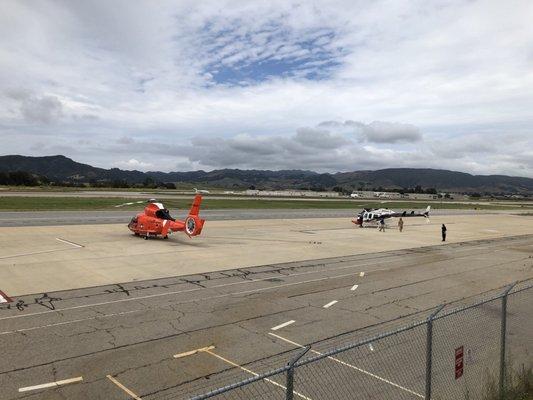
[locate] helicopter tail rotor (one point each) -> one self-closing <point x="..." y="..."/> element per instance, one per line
<point x="193" y="223"/>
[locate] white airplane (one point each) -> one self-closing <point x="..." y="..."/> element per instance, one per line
<point x="355" y="195"/>
<point x="201" y="191"/>
<point x="374" y="215"/>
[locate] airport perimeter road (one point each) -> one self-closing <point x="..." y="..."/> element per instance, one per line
<point x="141" y="339"/>
<point x="52" y="218"/>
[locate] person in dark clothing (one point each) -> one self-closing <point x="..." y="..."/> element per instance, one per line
<point x="443" y="230"/>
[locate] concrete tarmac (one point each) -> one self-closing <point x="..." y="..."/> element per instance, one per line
<point x="51" y="258"/>
<point x="97" y="313"/>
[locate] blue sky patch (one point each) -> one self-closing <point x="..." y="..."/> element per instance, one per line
<point x="244" y="58"/>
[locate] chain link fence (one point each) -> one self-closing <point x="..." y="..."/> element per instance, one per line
<point x="480" y="351"/>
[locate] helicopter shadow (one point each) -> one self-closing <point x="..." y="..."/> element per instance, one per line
<point x="179" y="242"/>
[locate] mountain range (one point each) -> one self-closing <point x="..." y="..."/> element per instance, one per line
<point x="61" y="169"/>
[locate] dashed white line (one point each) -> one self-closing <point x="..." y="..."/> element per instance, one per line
<point x="32" y="253"/>
<point x="195" y="351"/>
<point x="354" y="287"/>
<point x="255" y="374"/>
<point x="51" y="384"/>
<point x="180" y="292"/>
<point x="362" y="273"/>
<point x="69" y="242"/>
<point x="350" y="366"/>
<point x="124" y="388"/>
<point x="330" y="304"/>
<point x="68" y="322"/>
<point x="283" y="325"/>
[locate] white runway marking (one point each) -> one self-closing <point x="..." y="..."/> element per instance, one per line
<point x="68" y="322"/>
<point x="51" y="384"/>
<point x="124" y="388"/>
<point x="255" y="374"/>
<point x="215" y="286"/>
<point x="361" y="274"/>
<point x="330" y="304"/>
<point x="190" y="353"/>
<point x="32" y="253"/>
<point x="350" y="366"/>
<point x="283" y="325"/>
<point x="69" y="242"/>
<point x="354" y="287"/>
<point x="180" y="292"/>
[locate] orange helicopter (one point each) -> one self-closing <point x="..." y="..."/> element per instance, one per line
<point x="156" y="220"/>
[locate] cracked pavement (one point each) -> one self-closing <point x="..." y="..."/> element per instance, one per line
<point x="132" y="330"/>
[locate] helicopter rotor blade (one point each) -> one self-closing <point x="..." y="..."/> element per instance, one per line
<point x="129" y="203"/>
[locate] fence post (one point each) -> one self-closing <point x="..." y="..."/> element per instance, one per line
<point x="503" y="335"/>
<point x="429" y="349"/>
<point x="289" y="392"/>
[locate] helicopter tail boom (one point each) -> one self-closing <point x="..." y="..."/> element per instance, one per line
<point x="195" y="207"/>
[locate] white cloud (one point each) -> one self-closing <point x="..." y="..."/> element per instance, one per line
<point x="388" y="132"/>
<point x="43" y="109"/>
<point x="459" y="71"/>
<point x="132" y="163"/>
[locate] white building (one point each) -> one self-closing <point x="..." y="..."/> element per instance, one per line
<point x="290" y="193"/>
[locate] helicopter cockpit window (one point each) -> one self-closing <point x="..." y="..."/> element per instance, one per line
<point x="163" y="214"/>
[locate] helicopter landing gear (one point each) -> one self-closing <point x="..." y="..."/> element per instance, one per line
<point x="146" y="237"/>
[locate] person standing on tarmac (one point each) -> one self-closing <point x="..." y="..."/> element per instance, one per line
<point x="400" y="224"/>
<point x="443" y="230"/>
<point x="382" y="225"/>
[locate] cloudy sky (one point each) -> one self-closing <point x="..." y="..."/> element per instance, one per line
<point x="320" y="85"/>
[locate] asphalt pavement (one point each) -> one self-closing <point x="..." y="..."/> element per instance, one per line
<point x="52" y="218"/>
<point x="176" y="337"/>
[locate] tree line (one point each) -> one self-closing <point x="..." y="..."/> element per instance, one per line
<point x="22" y="178"/>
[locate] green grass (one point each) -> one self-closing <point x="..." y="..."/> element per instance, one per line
<point x="519" y="385"/>
<point x="29" y="203"/>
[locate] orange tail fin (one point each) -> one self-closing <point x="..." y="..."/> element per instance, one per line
<point x="195" y="208"/>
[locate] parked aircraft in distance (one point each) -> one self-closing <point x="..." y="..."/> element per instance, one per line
<point x="372" y="216"/>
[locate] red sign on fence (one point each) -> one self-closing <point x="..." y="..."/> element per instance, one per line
<point x="459" y="353"/>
